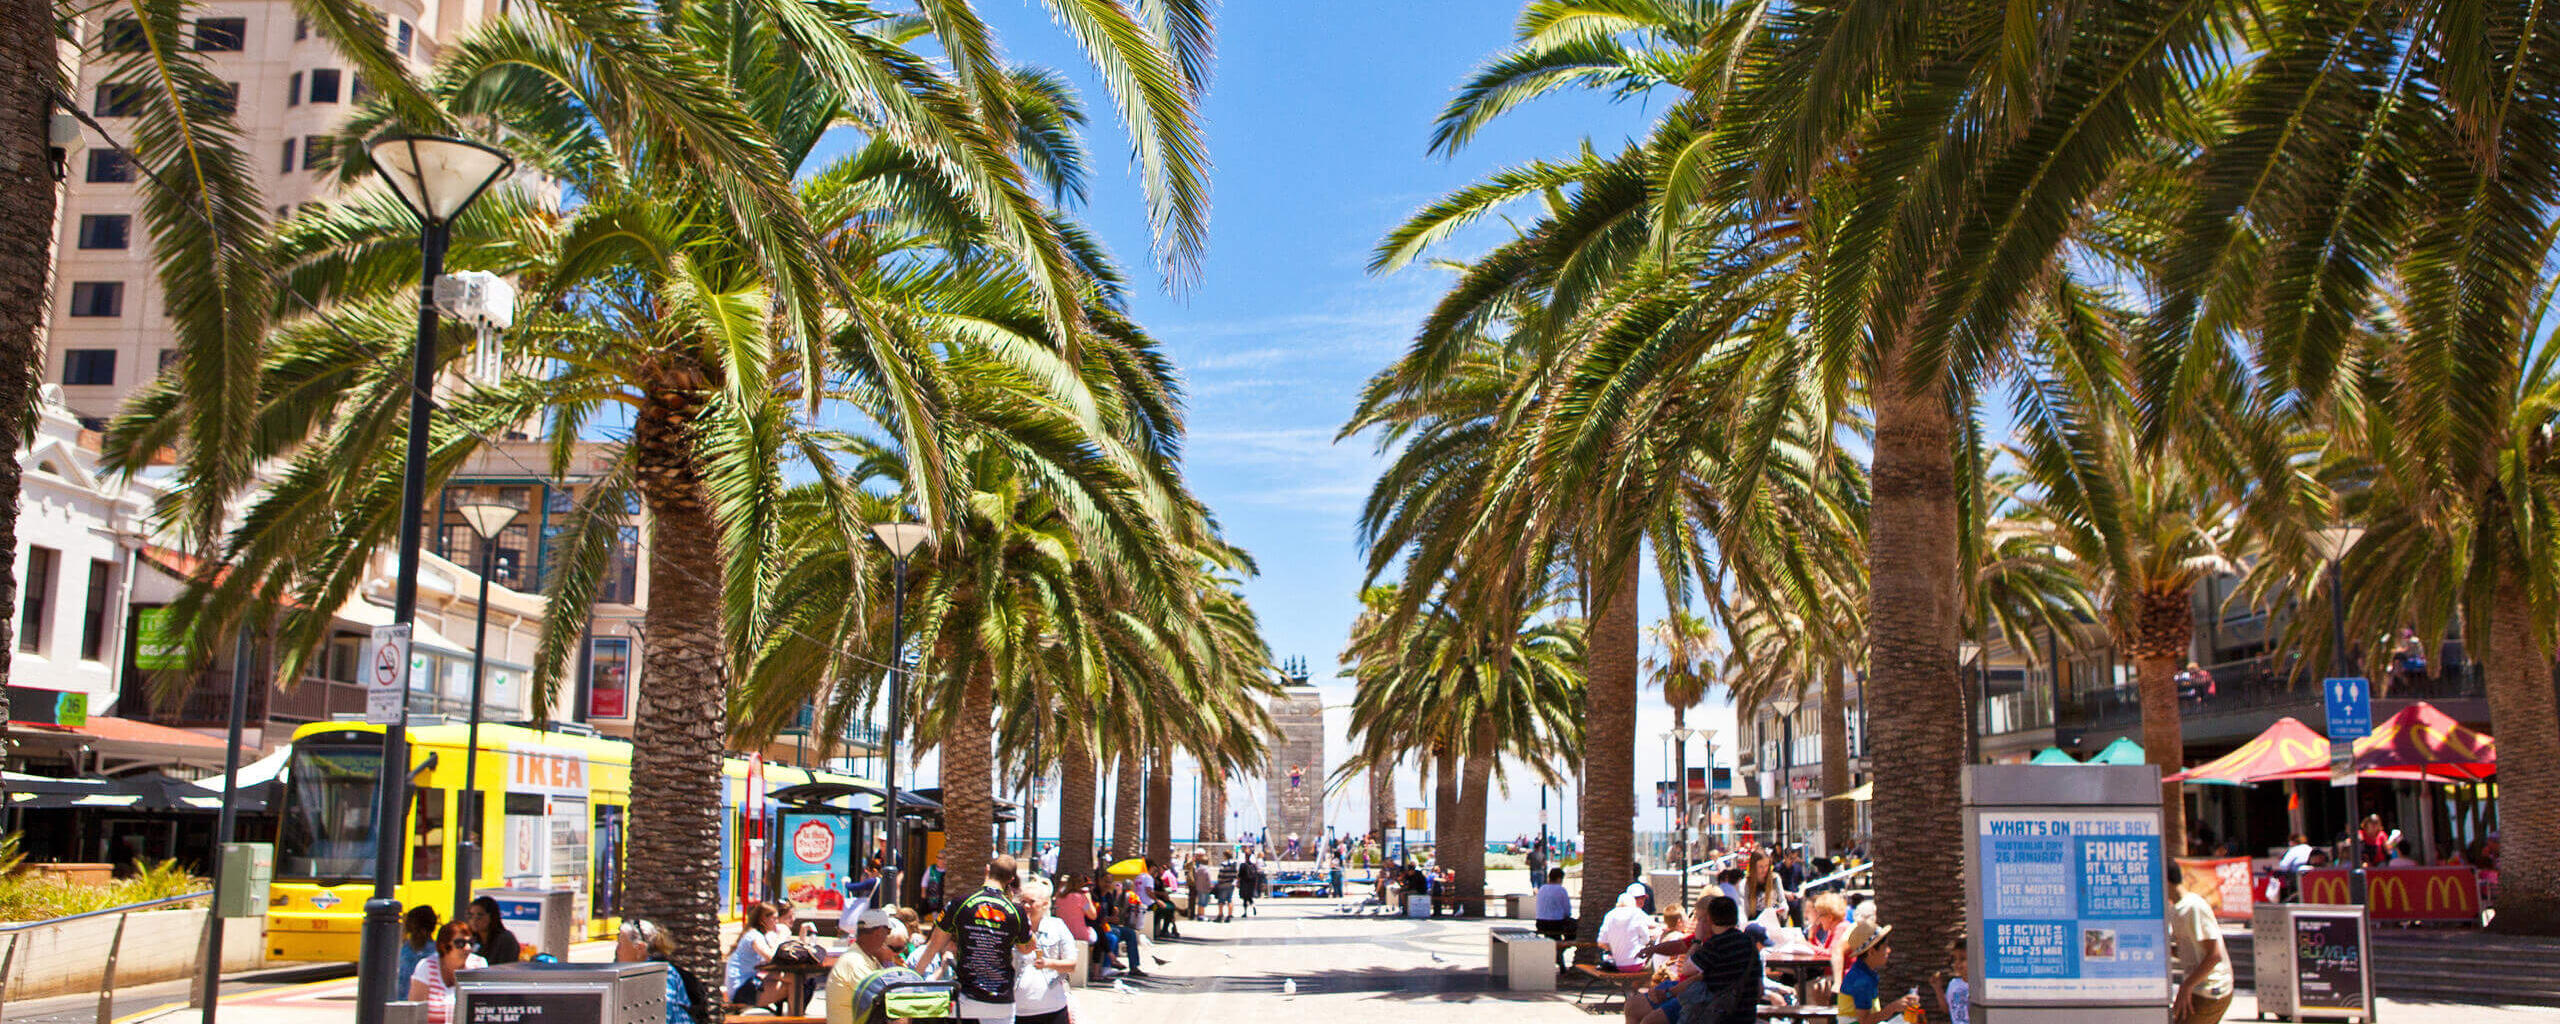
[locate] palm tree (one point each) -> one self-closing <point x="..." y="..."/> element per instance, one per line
<point x="1684" y="662"/>
<point x="2142" y="524"/>
<point x="1475" y="702"/>
<point x="2411" y="197"/>
<point x="657" y="294"/>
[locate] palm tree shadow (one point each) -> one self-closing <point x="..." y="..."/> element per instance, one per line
<point x="1403" y="984"/>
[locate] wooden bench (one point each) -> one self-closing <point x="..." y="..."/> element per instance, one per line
<point x="1523" y="959"/>
<point x="1624" y="981"/>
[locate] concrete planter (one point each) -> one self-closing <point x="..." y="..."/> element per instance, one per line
<point x="159" y="945"/>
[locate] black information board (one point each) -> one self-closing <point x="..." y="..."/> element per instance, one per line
<point x="501" y="1007"/>
<point x="2328" y="963"/>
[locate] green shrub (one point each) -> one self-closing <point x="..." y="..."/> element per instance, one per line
<point x="35" y="896"/>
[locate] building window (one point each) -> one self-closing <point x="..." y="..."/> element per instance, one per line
<point x="118" y="99"/>
<point x="89" y="367"/>
<point x="345" y="654"/>
<point x="109" y="166"/>
<point x="621" y="584"/>
<point x="123" y="35"/>
<point x="221" y="35"/>
<point x="106" y="231"/>
<point x="324" y="85"/>
<point x="316" y="152"/>
<point x="220" y="98"/>
<point x="403" y="41"/>
<point x="293" y="89"/>
<point x="301" y="29"/>
<point x="167" y="356"/>
<point x="93" y="626"/>
<point x="97" y="298"/>
<point x="356" y="89"/>
<point x="35" y="610"/>
<point x="288" y="159"/>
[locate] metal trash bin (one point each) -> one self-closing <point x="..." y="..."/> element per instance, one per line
<point x="544" y="920"/>
<point x="1417" y="906"/>
<point x="537" y="993"/>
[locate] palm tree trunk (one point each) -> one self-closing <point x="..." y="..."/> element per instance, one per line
<point x="2522" y="709"/>
<point x="1127" y="800"/>
<point x="2161" y="642"/>
<point x="682" y="727"/>
<point x="1839" y="817"/>
<point x="969" y="785"/>
<point x="1609" y="746"/>
<point x="1444" y="800"/>
<point x="1467" y="832"/>
<point x="1213" y="807"/>
<point x="1160" y="808"/>
<point x="1382" y="800"/>
<point x="1912" y="604"/>
<point x="1076" y="785"/>
<point x="30" y="70"/>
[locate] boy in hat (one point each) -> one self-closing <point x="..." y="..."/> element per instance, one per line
<point x="1869" y="948"/>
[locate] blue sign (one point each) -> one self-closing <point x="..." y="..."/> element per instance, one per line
<point x="2073" y="906"/>
<point x="2350" y="708"/>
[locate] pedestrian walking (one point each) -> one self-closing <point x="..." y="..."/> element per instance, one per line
<point x="983" y="931"/>
<point x="1249" y="882"/>
<point x="2199" y="962"/>
<point x="1201" y="880"/>
<point x="1224" y="887"/>
<point x="1040" y="990"/>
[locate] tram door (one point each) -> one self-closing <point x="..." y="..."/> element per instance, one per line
<point x="548" y="829"/>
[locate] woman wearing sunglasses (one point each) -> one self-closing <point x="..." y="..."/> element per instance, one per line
<point x="432" y="983"/>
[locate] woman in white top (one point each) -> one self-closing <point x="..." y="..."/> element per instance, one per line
<point x="745" y="982"/>
<point x="432" y="982"/>
<point x="1040" y="984"/>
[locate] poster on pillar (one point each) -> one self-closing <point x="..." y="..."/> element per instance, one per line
<point x="2072" y="907"/>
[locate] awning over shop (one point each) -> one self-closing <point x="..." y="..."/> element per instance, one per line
<point x="117" y="744"/>
<point x="2121" y="752"/>
<point x="2287" y="748"/>
<point x="1862" y="794"/>
<point x="146" y="792"/>
<point x="2052" y="755"/>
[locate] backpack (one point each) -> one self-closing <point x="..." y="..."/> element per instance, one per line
<point x="897" y="993"/>
<point x="797" y="953"/>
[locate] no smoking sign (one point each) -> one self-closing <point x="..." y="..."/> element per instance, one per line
<point x="386" y="696"/>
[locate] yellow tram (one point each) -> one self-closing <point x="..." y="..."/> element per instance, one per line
<point x="551" y="809"/>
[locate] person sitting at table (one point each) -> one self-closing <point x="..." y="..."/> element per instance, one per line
<point x="746" y="981"/>
<point x="1625" y="931"/>
<point x="1726" y="987"/>
<point x="1859" y="999"/>
<point x="1955" y="994"/>
<point x="641" y="941"/>
<point x="869" y="952"/>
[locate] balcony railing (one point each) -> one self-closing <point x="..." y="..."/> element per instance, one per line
<point x="2239" y="686"/>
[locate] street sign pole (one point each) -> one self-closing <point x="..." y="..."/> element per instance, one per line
<point x="2349" y="702"/>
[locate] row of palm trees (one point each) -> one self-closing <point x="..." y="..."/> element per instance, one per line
<point x="772" y="354"/>
<point x="2233" y="273"/>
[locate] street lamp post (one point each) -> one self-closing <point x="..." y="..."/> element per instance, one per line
<point x="1680" y="779"/>
<point x="901" y="539"/>
<point x="1707" y="739"/>
<point x="1786" y="709"/>
<point x="436" y="178"/>
<point x="488" y="520"/>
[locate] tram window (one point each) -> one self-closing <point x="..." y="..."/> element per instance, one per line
<point x="426" y="847"/>
<point x="608" y="854"/>
<point x="326" y="834"/>
<point x="472" y="804"/>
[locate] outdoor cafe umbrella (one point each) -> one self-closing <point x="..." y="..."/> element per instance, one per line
<point x="2286" y="750"/>
<point x="2052" y="755"/>
<point x="2421" y="743"/>
<point x="1130" y="868"/>
<point x="2121" y="752"/>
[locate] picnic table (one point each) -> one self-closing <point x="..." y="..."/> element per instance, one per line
<point x="1808" y="1012"/>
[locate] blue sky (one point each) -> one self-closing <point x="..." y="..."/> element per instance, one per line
<point x="1318" y="121"/>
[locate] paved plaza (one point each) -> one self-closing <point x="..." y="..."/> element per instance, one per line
<point x="1297" y="961"/>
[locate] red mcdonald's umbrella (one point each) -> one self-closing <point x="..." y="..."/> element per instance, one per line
<point x="2422" y="743"/>
<point x="2286" y="748"/>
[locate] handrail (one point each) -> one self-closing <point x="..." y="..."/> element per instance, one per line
<point x="1835" y="876"/>
<point x="19" y="926"/>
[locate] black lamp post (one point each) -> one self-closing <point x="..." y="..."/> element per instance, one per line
<point x="1786" y="709"/>
<point x="901" y="539"/>
<point x="436" y="178"/>
<point x="488" y="520"/>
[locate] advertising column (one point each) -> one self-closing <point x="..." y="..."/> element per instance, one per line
<point x="2067" y="894"/>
